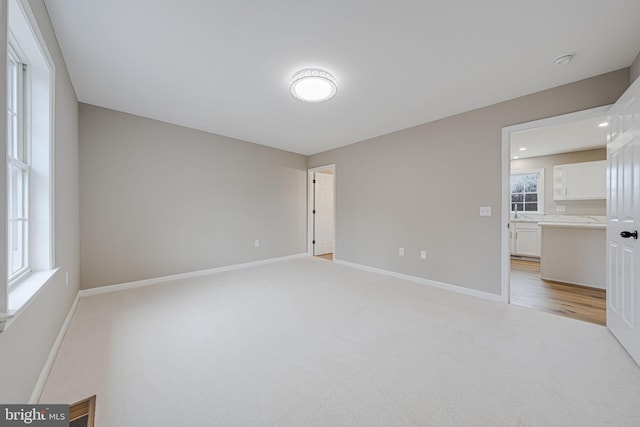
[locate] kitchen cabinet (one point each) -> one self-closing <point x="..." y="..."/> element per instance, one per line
<point x="580" y="181"/>
<point x="525" y="239"/>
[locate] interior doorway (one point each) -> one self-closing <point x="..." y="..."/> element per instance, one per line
<point x="321" y="226"/>
<point x="539" y="215"/>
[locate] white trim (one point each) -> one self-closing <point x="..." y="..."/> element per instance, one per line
<point x="310" y="194"/>
<point x="48" y="364"/>
<point x="156" y="280"/>
<point x="4" y="182"/>
<point x="23" y="294"/>
<point x="506" y="175"/>
<point x="52" y="152"/>
<point x="563" y="118"/>
<point x="422" y="281"/>
<point x="25" y="7"/>
<point x="40" y="42"/>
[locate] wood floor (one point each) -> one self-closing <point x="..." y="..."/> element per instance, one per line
<point x="326" y="256"/>
<point x="578" y="302"/>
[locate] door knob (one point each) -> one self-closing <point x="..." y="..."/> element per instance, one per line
<point x="627" y="234"/>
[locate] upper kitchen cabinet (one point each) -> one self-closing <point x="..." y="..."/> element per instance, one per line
<point x="580" y="181"/>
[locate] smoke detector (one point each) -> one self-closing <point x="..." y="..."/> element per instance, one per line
<point x="563" y="59"/>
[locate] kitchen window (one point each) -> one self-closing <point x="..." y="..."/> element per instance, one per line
<point x="527" y="191"/>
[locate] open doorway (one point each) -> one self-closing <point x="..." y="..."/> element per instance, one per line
<point x="554" y="182"/>
<point x="321" y="227"/>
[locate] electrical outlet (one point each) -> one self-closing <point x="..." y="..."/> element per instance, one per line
<point x="423" y="254"/>
<point x="401" y="251"/>
<point x="561" y="208"/>
<point x="256" y="244"/>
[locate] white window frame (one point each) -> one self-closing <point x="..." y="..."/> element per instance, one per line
<point x="19" y="26"/>
<point x="19" y="160"/>
<point x="540" y="188"/>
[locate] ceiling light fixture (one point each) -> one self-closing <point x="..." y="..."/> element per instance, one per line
<point x="313" y="85"/>
<point x="523" y="148"/>
<point x="515" y="157"/>
<point x="603" y="125"/>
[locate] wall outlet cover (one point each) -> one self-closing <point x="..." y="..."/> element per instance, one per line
<point x="401" y="251"/>
<point x="423" y="254"/>
<point x="256" y="243"/>
<point x="561" y="208"/>
<point x="485" y="210"/>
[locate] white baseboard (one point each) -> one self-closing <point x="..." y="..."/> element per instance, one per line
<point x="44" y="373"/>
<point x="433" y="283"/>
<point x="163" y="279"/>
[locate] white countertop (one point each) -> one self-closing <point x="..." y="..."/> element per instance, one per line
<point x="597" y="225"/>
<point x="573" y="221"/>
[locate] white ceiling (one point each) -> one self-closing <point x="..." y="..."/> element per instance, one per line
<point x="566" y="137"/>
<point x="223" y="66"/>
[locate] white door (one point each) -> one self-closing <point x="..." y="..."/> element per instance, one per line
<point x="623" y="221"/>
<point x="323" y="214"/>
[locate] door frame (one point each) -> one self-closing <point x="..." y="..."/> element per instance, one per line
<point x="506" y="172"/>
<point x="310" y="203"/>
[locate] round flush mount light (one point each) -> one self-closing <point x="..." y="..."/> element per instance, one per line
<point x="313" y="85"/>
<point x="563" y="59"/>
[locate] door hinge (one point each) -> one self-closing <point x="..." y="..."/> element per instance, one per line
<point x="314" y="212"/>
<point x="313" y="242"/>
<point x="314" y="181"/>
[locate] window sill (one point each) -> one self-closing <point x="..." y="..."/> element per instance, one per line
<point x="23" y="293"/>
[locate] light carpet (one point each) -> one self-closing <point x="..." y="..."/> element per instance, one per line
<point x="307" y="342"/>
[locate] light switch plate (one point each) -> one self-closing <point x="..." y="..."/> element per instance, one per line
<point x="485" y="210"/>
<point x="423" y="254"/>
<point x="401" y="251"/>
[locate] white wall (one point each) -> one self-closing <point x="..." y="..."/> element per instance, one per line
<point x="25" y="345"/>
<point x="421" y="188"/>
<point x="159" y="199"/>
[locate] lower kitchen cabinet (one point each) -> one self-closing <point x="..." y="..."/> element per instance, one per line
<point x="526" y="237"/>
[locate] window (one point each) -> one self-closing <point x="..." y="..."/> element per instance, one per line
<point x="28" y="194"/>
<point x="527" y="191"/>
<point x="17" y="168"/>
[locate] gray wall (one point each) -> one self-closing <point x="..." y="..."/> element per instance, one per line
<point x="634" y="71"/>
<point x="25" y="345"/>
<point x="421" y="188"/>
<point x="159" y="199"/>
<point x="572" y="207"/>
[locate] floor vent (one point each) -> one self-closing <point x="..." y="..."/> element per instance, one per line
<point x="82" y="414"/>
